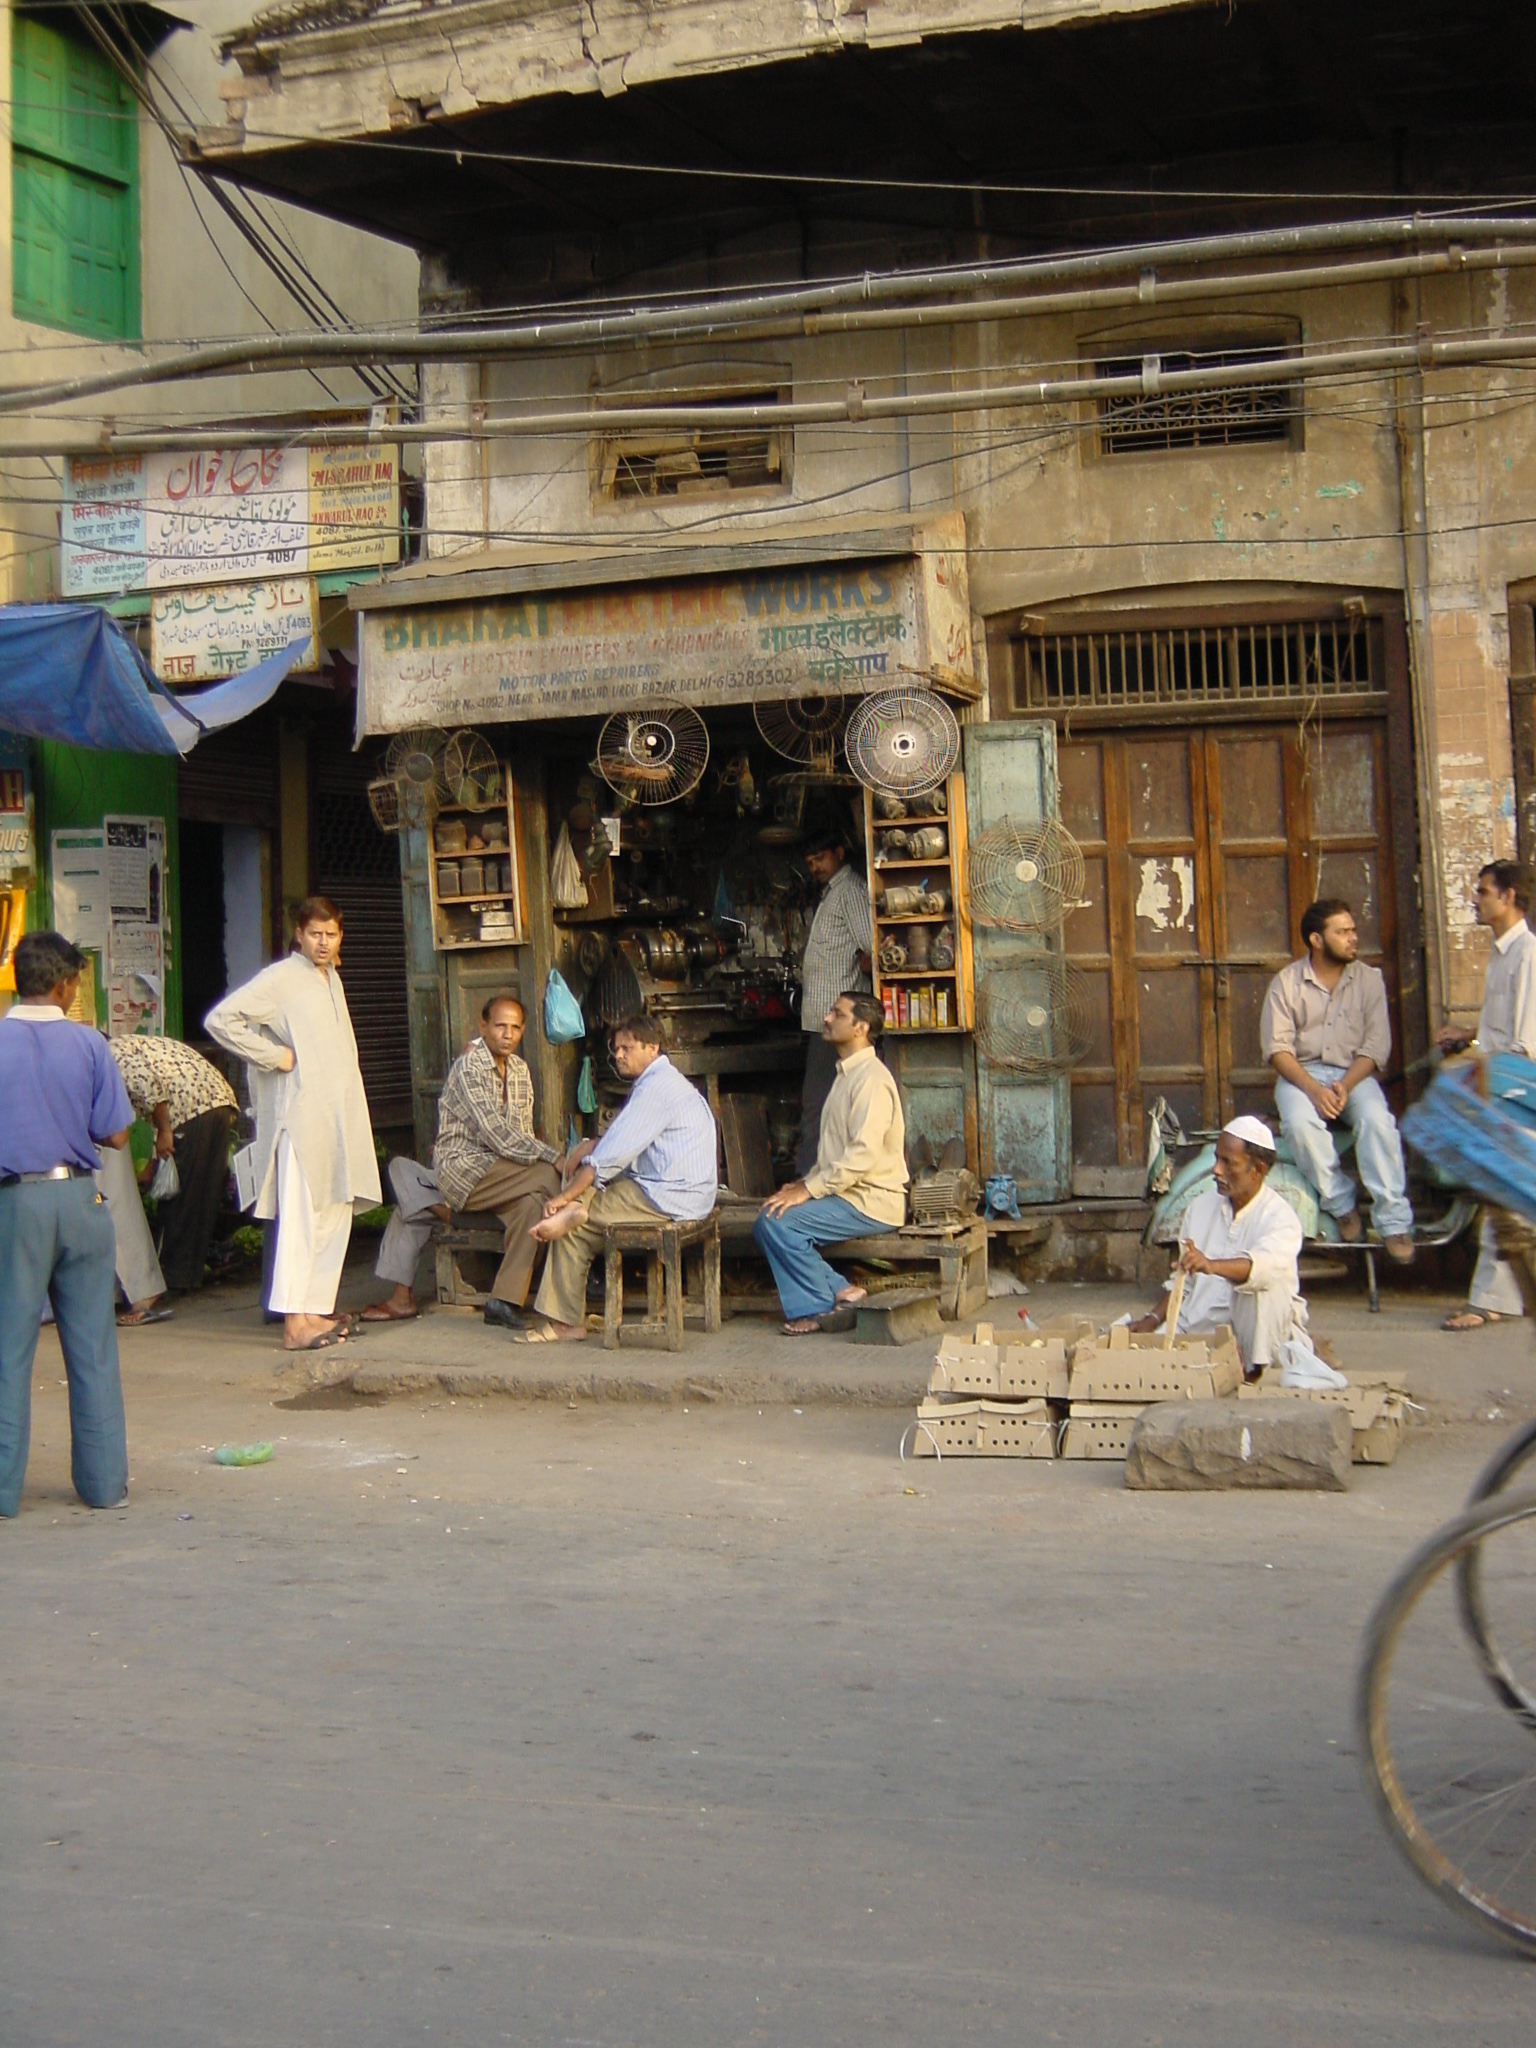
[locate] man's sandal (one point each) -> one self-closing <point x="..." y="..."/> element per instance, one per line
<point x="328" y="1340"/>
<point x="1471" y="1319"/>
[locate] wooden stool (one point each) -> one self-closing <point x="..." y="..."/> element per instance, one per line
<point x="959" y="1250"/>
<point x="468" y="1232"/>
<point x="663" y="1243"/>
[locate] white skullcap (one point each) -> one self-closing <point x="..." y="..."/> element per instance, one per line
<point x="1251" y="1131"/>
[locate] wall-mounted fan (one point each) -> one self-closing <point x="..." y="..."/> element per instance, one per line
<point x="471" y="772"/>
<point x="411" y="769"/>
<point x="902" y="741"/>
<point x="807" y="730"/>
<point x="1024" y="874"/>
<point x="1034" y="1016"/>
<point x="653" y="754"/>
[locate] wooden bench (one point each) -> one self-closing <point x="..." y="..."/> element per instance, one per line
<point x="468" y="1232"/>
<point x="958" y="1249"/>
<point x="663" y="1243"/>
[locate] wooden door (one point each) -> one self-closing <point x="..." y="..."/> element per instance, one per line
<point x="1202" y="847"/>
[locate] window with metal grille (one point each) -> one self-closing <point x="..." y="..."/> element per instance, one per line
<point x="1296" y="661"/>
<point x="1140" y="422"/>
<point x="74" y="186"/>
<point x="694" y="462"/>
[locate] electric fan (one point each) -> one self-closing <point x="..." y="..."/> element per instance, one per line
<point x="808" y="730"/>
<point x="412" y="763"/>
<point x="1034" y="1016"/>
<point x="1024" y="874"/>
<point x="902" y="742"/>
<point x="653" y="754"/>
<point x="471" y="772"/>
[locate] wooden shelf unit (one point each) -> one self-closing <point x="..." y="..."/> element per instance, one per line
<point x="946" y="872"/>
<point x="456" y="919"/>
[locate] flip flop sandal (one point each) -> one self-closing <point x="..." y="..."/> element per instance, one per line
<point x="1466" y="1320"/>
<point x="542" y="1335"/>
<point x="328" y="1340"/>
<point x="382" y="1313"/>
<point x="807" y="1326"/>
<point x="150" y="1315"/>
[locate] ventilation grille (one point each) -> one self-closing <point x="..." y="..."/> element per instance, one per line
<point x="694" y="462"/>
<point x="1138" y="423"/>
<point x="1293" y="662"/>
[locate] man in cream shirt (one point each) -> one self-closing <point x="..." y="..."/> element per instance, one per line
<point x="858" y="1185"/>
<point x="1507" y="1024"/>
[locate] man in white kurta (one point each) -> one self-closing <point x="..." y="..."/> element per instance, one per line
<point x="1239" y="1247"/>
<point x="314" y="1143"/>
<point x="1507" y="1024"/>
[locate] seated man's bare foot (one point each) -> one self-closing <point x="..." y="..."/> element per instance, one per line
<point x="548" y="1228"/>
<point x="442" y="1212"/>
<point x="850" y="1297"/>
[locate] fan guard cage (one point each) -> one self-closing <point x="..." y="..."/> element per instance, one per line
<point x="807" y="730"/>
<point x="1024" y="874"/>
<point x="1034" y="1016"/>
<point x="653" y="754"/>
<point x="471" y="774"/>
<point x="412" y="766"/>
<point x="903" y="742"/>
<point x="384" y="802"/>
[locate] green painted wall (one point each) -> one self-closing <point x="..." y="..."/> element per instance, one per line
<point x="76" y="787"/>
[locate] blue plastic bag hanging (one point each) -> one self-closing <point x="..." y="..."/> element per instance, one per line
<point x="563" y="1021"/>
<point x="586" y="1091"/>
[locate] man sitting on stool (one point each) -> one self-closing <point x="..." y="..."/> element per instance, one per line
<point x="858" y="1186"/>
<point x="1240" y="1247"/>
<point x="1326" y="1034"/>
<point x="657" y="1159"/>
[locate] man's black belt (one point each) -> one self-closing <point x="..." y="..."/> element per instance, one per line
<point x="21" y="1180"/>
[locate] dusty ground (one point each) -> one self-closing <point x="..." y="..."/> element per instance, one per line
<point x="670" y="1721"/>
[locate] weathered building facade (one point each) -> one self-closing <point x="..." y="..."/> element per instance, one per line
<point x="1272" y="618"/>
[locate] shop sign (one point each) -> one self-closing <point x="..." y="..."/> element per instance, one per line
<point x="17" y="858"/>
<point x="155" y="522"/>
<point x="222" y="629"/>
<point x="842" y="629"/>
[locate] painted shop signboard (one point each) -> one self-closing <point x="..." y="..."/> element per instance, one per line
<point x="154" y="522"/>
<point x="222" y="629"/>
<point x="845" y="629"/>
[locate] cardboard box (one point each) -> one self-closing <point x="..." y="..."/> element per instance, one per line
<point x="1072" y="1330"/>
<point x="945" y="1429"/>
<point x="1377" y="1404"/>
<point x="1145" y="1376"/>
<point x="1380" y="1442"/>
<point x="1036" y="1369"/>
<point x="968" y="1368"/>
<point x="1099" y="1429"/>
<point x="1016" y="1429"/>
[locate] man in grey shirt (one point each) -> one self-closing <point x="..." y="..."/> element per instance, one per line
<point x="1326" y="1033"/>
<point x="836" y="963"/>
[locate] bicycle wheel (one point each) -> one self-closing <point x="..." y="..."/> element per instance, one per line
<point x="1453" y="1774"/>
<point x="1510" y="1471"/>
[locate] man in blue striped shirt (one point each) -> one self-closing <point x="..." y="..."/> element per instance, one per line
<point x="657" y="1158"/>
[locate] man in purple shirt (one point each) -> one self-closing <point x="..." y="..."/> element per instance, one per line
<point x="60" y="1097"/>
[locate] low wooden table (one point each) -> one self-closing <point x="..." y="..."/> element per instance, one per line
<point x="958" y="1249"/>
<point x="664" y="1243"/>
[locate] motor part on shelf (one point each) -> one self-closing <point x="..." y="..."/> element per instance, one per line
<point x="928" y="842"/>
<point x="948" y="1196"/>
<point x="941" y="955"/>
<point x="914" y="900"/>
<point x="893" y="954"/>
<point x="919" y="948"/>
<point x="591" y="952"/>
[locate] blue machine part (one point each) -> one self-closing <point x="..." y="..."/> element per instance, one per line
<point x="1476" y="1125"/>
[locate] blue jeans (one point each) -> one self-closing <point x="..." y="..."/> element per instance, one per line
<point x="56" y="1242"/>
<point x="807" y="1285"/>
<point x="1378" y="1149"/>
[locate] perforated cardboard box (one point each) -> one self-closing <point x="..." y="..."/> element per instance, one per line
<point x="1036" y="1369"/>
<point x="945" y="1429"/>
<point x="1016" y="1429"/>
<point x="1100" y="1429"/>
<point x="968" y="1367"/>
<point x="1186" y="1373"/>
<point x="1377" y="1404"/>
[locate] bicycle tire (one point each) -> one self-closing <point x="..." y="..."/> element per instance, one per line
<point x="1503" y="1472"/>
<point x="1404" y="1823"/>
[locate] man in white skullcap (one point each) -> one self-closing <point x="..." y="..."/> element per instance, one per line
<point x="1239" y="1247"/>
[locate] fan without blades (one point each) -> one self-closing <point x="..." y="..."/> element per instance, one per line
<point x="1024" y="874"/>
<point x="903" y="742"/>
<point x="1035" y="1016"/>
<point x="653" y="754"/>
<point x="412" y="765"/>
<point x="808" y="730"/>
<point x="471" y="771"/>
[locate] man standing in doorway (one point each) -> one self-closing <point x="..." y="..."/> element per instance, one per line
<point x="314" y="1143"/>
<point x="60" y="1097"/>
<point x="656" y="1159"/>
<point x="1507" y="1024"/>
<point x="837" y="958"/>
<point x="1326" y="1033"/>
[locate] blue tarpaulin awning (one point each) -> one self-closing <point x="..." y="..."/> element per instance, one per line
<point x="69" y="672"/>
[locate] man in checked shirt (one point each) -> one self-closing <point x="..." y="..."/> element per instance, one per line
<point x="487" y="1157"/>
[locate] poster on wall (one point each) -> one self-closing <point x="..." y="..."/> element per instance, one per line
<point x="155" y="522"/>
<point x="77" y="873"/>
<point x="133" y="876"/>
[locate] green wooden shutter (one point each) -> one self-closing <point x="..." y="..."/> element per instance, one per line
<point x="75" y="186"/>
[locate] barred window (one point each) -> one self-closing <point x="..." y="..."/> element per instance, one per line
<point x="1239" y="416"/>
<point x="1297" y="661"/>
<point x="694" y="462"/>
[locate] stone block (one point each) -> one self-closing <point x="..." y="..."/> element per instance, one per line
<point x="1214" y="1446"/>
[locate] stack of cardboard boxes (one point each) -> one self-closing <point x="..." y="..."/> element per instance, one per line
<point x="1063" y="1389"/>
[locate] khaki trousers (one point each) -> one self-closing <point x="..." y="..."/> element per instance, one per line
<point x="563" y="1290"/>
<point x="516" y="1191"/>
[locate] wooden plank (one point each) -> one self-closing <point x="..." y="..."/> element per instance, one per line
<point x="748" y="1148"/>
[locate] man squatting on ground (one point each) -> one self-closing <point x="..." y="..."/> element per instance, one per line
<point x="657" y="1158"/>
<point x="60" y="1097"/>
<point x="858" y="1185"/>
<point x="487" y="1158"/>
<point x="1240" y="1244"/>
<point x="1326" y="1033"/>
<point x="837" y="956"/>
<point x="314" y="1143"/>
<point x="193" y="1110"/>
<point x="1507" y="1024"/>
